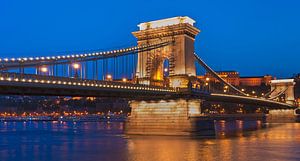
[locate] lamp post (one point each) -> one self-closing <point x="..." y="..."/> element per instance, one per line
<point x="44" y="70"/>
<point x="76" y="66"/>
<point x="109" y="77"/>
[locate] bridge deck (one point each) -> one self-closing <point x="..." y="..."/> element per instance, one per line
<point x="30" y="84"/>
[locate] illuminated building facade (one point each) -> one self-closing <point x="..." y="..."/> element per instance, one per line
<point x="233" y="77"/>
<point x="255" y="81"/>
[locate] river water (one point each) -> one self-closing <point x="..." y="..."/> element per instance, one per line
<point x="101" y="141"/>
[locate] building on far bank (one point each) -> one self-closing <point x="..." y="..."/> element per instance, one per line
<point x="255" y="80"/>
<point x="234" y="78"/>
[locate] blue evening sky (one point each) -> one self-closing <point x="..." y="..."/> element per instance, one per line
<point x="254" y="37"/>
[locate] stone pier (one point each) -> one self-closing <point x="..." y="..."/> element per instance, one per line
<point x="281" y="116"/>
<point x="168" y="117"/>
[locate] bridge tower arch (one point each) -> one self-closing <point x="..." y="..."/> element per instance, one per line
<point x="181" y="33"/>
<point x="283" y="86"/>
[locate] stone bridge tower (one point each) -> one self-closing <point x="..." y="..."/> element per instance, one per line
<point x="286" y="86"/>
<point x="179" y="54"/>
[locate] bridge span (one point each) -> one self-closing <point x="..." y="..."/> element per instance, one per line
<point x="28" y="84"/>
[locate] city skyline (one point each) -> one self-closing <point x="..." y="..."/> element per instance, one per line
<point x="264" y="33"/>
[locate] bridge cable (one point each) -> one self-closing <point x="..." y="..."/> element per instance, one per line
<point x="279" y="94"/>
<point x="214" y="74"/>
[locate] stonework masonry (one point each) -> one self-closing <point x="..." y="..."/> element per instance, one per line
<point x="166" y="117"/>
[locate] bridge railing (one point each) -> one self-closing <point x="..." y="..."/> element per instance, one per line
<point x="32" y="78"/>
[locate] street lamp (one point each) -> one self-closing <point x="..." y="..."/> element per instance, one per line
<point x="76" y="66"/>
<point x="108" y="77"/>
<point x="44" y="69"/>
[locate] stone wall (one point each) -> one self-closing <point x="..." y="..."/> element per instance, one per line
<point x="281" y="116"/>
<point x="164" y="117"/>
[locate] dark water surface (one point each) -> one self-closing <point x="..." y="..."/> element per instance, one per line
<point x="98" y="141"/>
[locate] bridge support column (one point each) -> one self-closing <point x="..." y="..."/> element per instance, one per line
<point x="180" y="32"/>
<point x="285" y="85"/>
<point x="281" y="116"/>
<point x="168" y="117"/>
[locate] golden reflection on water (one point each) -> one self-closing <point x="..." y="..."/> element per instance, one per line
<point x="277" y="142"/>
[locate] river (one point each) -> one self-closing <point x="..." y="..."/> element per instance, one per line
<point x="101" y="141"/>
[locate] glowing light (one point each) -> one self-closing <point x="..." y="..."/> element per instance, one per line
<point x="44" y="69"/>
<point x="124" y="80"/>
<point x="166" y="69"/>
<point x="108" y="76"/>
<point x="76" y="66"/>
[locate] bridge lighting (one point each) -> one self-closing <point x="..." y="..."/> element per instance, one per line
<point x="44" y="69"/>
<point x="76" y="66"/>
<point x="5" y="59"/>
<point x="243" y="90"/>
<point x="207" y="79"/>
<point x="108" y="77"/>
<point x="124" y="80"/>
<point x="166" y="69"/>
<point x="253" y="92"/>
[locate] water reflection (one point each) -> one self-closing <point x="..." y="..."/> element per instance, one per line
<point x="237" y="128"/>
<point x="236" y="140"/>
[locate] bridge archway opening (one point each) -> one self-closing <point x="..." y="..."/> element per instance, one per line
<point x="166" y="67"/>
